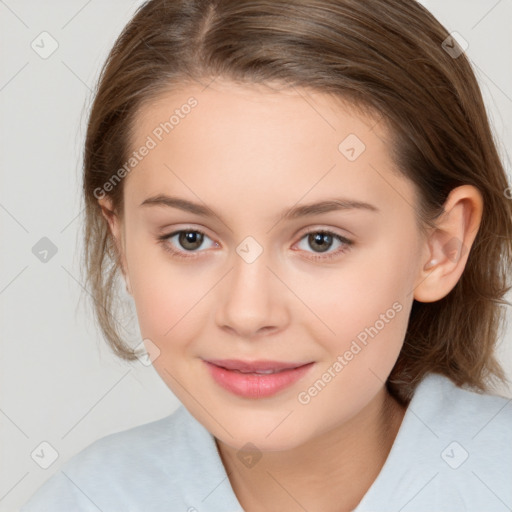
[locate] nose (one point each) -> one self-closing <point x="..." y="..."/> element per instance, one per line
<point x="251" y="299"/>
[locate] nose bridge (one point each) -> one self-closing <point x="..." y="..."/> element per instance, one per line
<point x="252" y="300"/>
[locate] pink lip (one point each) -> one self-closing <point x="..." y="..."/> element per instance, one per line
<point x="227" y="373"/>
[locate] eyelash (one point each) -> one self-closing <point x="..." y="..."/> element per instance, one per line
<point x="164" y="239"/>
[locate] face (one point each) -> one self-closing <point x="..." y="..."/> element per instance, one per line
<point x="322" y="294"/>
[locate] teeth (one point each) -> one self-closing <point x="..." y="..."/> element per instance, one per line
<point x="261" y="372"/>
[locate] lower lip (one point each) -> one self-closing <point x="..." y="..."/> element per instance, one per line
<point x="252" y="385"/>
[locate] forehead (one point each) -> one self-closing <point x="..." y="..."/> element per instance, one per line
<point x="254" y="141"/>
<point x="263" y="110"/>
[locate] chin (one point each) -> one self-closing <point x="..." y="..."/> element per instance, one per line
<point x="267" y="436"/>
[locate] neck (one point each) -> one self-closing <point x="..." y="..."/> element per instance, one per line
<point x="331" y="472"/>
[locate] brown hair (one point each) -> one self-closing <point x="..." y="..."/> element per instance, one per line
<point x="386" y="56"/>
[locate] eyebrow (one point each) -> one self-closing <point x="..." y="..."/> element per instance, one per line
<point x="295" y="212"/>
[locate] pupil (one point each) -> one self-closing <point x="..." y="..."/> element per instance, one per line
<point x="322" y="240"/>
<point x="191" y="239"/>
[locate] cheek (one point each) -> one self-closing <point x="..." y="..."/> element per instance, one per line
<point x="171" y="314"/>
<point x="167" y="295"/>
<point x="164" y="309"/>
<point x="368" y="308"/>
<point x="366" y="305"/>
<point x="363" y="287"/>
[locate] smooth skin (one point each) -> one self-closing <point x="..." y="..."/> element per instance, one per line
<point x="249" y="153"/>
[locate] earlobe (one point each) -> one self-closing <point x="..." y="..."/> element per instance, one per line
<point x="128" y="287"/>
<point x="448" y="245"/>
<point x="108" y="213"/>
<point x="112" y="219"/>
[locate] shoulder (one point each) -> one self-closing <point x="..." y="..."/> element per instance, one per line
<point x="138" y="444"/>
<point x="453" y="451"/>
<point x="452" y="409"/>
<point x="461" y="446"/>
<point x="151" y="463"/>
<point x="124" y="454"/>
<point x="473" y="443"/>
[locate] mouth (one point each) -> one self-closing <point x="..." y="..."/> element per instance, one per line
<point x="256" y="379"/>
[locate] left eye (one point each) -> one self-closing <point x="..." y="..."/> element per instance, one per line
<point x="321" y="241"/>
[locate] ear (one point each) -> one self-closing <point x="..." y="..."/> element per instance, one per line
<point x="116" y="231"/>
<point x="447" y="247"/>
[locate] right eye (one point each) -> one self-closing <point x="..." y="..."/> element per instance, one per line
<point x="190" y="240"/>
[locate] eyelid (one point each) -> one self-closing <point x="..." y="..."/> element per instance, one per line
<point x="164" y="236"/>
<point x="322" y="228"/>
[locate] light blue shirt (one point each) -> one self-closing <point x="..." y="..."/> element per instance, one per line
<point x="453" y="452"/>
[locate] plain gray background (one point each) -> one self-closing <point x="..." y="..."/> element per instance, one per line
<point x="60" y="383"/>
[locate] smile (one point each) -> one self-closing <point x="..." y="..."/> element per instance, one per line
<point x="256" y="379"/>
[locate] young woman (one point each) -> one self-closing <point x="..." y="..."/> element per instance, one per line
<point x="307" y="206"/>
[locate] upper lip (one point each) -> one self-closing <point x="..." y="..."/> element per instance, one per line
<point x="253" y="366"/>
